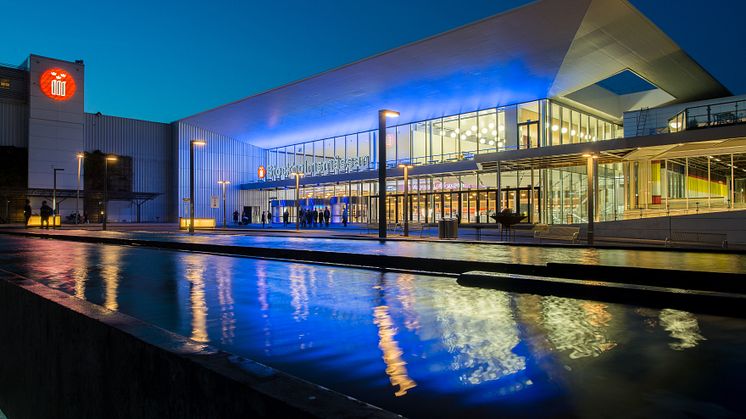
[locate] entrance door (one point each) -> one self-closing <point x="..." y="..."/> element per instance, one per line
<point x="528" y="135"/>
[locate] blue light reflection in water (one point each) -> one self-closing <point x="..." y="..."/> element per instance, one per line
<point x="416" y="345"/>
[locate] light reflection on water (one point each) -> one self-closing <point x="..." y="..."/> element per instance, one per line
<point x="417" y="345"/>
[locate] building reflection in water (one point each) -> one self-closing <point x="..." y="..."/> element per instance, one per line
<point x="80" y="273"/>
<point x="576" y="326"/>
<point x="111" y="265"/>
<point x="298" y="292"/>
<point x="195" y="270"/>
<point x="478" y="328"/>
<point x="392" y="354"/>
<point x="224" y="282"/>
<point x="405" y="285"/>
<point x="682" y="326"/>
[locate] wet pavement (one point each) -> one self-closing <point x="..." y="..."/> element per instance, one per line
<point x="501" y="253"/>
<point x="421" y="346"/>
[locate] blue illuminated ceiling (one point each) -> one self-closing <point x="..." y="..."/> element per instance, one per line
<point x="531" y="52"/>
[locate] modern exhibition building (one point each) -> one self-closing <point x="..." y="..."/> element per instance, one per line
<point x="512" y="111"/>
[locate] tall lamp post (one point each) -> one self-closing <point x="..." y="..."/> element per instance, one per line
<point x="54" y="196"/>
<point x="107" y="159"/>
<point x="297" y="176"/>
<point x="224" y="184"/>
<point x="382" y="115"/>
<point x="191" y="181"/>
<point x="406" y="168"/>
<point x="80" y="157"/>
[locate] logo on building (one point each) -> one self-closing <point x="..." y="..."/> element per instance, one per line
<point x="57" y="84"/>
<point x="261" y="172"/>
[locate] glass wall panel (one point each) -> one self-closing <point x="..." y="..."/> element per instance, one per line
<point x="452" y="134"/>
<point x="471" y="134"/>
<point x="403" y="144"/>
<point x="419" y="143"/>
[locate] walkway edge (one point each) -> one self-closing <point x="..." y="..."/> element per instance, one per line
<point x="709" y="302"/>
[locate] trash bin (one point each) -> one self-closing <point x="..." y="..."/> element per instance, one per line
<point x="448" y="228"/>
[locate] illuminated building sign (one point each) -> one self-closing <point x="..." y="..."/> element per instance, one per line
<point x="57" y="84"/>
<point x="319" y="168"/>
<point x="4" y="84"/>
<point x="261" y="172"/>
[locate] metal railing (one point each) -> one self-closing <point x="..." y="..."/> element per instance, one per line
<point x="706" y="116"/>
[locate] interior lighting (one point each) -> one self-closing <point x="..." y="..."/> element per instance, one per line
<point x="481" y="140"/>
<point x="555" y="128"/>
<point x="484" y="130"/>
<point x="494" y="133"/>
<point x="491" y="125"/>
<point x="573" y="132"/>
<point x="474" y="128"/>
<point x="492" y="142"/>
<point x="458" y="130"/>
<point x="564" y="130"/>
<point x="453" y="135"/>
<point x="463" y="137"/>
<point x="468" y="132"/>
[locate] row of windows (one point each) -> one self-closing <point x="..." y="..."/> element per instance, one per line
<point x="533" y="124"/>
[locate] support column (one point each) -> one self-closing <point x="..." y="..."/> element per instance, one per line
<point x="665" y="182"/>
<point x="709" y="184"/>
<point x="591" y="178"/>
<point x="686" y="182"/>
<point x="732" y="184"/>
<point x="499" y="203"/>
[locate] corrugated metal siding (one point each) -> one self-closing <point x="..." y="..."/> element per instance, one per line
<point x="223" y="158"/>
<point x="13" y="124"/>
<point x="150" y="144"/>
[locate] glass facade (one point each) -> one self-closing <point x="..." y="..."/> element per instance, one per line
<point x="534" y="124"/>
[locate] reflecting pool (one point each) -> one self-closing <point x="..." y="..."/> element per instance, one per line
<point x="420" y="346"/>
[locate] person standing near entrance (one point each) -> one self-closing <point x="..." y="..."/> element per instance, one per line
<point x="27" y="212"/>
<point x="302" y="218"/>
<point x="327" y="216"/>
<point x="285" y="217"/>
<point x="315" y="217"/>
<point x="264" y="218"/>
<point x="344" y="216"/>
<point x="44" y="212"/>
<point x="235" y="217"/>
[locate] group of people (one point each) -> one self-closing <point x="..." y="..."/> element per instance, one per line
<point x="311" y="217"/>
<point x="44" y="213"/>
<point x="307" y="217"/>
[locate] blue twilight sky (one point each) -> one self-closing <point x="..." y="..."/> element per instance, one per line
<point x="162" y="60"/>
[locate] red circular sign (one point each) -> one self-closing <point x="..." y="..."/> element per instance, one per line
<point x="261" y="172"/>
<point x="57" y="84"/>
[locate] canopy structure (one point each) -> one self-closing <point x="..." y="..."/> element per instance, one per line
<point x="546" y="49"/>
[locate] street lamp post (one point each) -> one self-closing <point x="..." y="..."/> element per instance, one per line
<point x="191" y="181"/>
<point x="80" y="157"/>
<point x="54" y="196"/>
<point x="406" y="168"/>
<point x="224" y="183"/>
<point x="382" y="115"/>
<point x="107" y="159"/>
<point x="297" y="175"/>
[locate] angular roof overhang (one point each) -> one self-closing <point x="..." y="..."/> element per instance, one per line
<point x="549" y="48"/>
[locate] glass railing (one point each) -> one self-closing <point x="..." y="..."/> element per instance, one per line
<point x="706" y="116"/>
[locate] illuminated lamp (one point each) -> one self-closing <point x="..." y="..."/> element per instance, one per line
<point x="492" y="142"/>
<point x="453" y="135"/>
<point x="468" y="132"/>
<point x="481" y="140"/>
<point x="555" y="128"/>
<point x="564" y="130"/>
<point x="474" y="128"/>
<point x="491" y="125"/>
<point x="573" y="132"/>
<point x="463" y="137"/>
<point x="484" y="130"/>
<point x="494" y="133"/>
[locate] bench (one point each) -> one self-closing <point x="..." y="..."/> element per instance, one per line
<point x="692" y="237"/>
<point x="552" y="232"/>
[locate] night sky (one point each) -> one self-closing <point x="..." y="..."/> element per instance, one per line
<point x="164" y="60"/>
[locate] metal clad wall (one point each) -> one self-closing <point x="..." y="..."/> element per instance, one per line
<point x="150" y="145"/>
<point x="13" y="124"/>
<point x="223" y="158"/>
